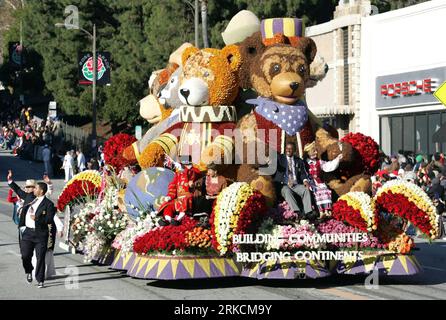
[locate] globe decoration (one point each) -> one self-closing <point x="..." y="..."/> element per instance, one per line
<point x="145" y="190"/>
<point x="87" y="69"/>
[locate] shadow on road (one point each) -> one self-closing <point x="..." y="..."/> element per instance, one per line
<point x="9" y="244"/>
<point x="57" y="284"/>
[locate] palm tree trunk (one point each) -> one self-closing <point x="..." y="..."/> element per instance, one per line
<point x="197" y="23"/>
<point x="204" y="22"/>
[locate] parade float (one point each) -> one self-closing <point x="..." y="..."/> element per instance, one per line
<point x="197" y="110"/>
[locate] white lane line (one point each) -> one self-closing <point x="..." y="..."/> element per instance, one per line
<point x="14" y="253"/>
<point x="433" y="268"/>
<point x="109" y="298"/>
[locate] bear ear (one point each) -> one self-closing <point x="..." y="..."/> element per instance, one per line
<point x="251" y="46"/>
<point x="233" y="56"/>
<point x="308" y="47"/>
<point x="187" y="53"/>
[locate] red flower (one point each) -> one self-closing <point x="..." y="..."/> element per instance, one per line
<point x="367" y="149"/>
<point x="249" y="220"/>
<point x="399" y="205"/>
<point x="75" y="191"/>
<point x="343" y="212"/>
<point x="113" y="149"/>
<point x="166" y="238"/>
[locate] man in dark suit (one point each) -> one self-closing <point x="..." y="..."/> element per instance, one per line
<point x="293" y="181"/>
<point x="37" y="215"/>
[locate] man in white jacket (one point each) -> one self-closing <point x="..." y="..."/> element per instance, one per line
<point x="81" y="162"/>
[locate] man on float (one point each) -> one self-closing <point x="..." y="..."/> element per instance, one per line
<point x="292" y="180"/>
<point x="180" y="193"/>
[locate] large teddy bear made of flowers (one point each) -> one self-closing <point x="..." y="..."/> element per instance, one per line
<point x="207" y="86"/>
<point x="278" y="68"/>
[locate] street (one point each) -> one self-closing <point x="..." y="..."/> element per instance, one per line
<point x="99" y="282"/>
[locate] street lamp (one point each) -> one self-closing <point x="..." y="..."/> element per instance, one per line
<point x="95" y="71"/>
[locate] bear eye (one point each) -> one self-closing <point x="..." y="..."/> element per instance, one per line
<point x="275" y="68"/>
<point x="206" y="74"/>
<point x="302" y="69"/>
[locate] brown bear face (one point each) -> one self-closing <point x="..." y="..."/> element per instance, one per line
<point x="278" y="71"/>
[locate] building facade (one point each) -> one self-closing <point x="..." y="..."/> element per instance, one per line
<point x="336" y="99"/>
<point x="403" y="62"/>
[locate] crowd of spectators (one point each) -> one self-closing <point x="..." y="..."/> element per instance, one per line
<point x="33" y="139"/>
<point x="428" y="172"/>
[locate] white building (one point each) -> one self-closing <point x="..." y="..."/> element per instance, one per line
<point x="403" y="61"/>
<point x="336" y="98"/>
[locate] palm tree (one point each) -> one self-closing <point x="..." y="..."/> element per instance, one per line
<point x="204" y="22"/>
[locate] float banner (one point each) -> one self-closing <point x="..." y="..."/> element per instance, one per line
<point x="85" y="67"/>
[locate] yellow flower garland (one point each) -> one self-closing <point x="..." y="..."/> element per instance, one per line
<point x="226" y="217"/>
<point x="418" y="197"/>
<point x="361" y="201"/>
<point x="93" y="176"/>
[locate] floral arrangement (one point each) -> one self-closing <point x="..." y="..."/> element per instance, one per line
<point x="409" y="202"/>
<point x="125" y="239"/>
<point x="333" y="226"/>
<point x="291" y="237"/>
<point x="113" y="150"/>
<point x="78" y="191"/>
<point x="238" y="209"/>
<point x="108" y="223"/>
<point x="199" y="237"/>
<point x="165" y="239"/>
<point x="357" y="209"/>
<point x="368" y="150"/>
<point x="98" y="224"/>
<point x="94" y="246"/>
<point x="282" y="213"/>
<point x="401" y="244"/>
<point x="93" y="176"/>
<point x="80" y="223"/>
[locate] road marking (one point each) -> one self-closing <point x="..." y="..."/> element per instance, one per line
<point x="433" y="268"/>
<point x="14" y="253"/>
<point x="109" y="298"/>
<point x="344" y="294"/>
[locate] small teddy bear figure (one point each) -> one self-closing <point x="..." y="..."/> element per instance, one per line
<point x="322" y="193"/>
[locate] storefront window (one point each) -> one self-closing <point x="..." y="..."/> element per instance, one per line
<point x="411" y="132"/>
<point x="385" y="135"/>
<point x="408" y="133"/>
<point x="421" y="134"/>
<point x="397" y="134"/>
<point x="434" y="125"/>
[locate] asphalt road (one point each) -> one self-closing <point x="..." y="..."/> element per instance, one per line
<point x="99" y="282"/>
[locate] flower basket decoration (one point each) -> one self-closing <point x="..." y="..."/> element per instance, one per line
<point x="411" y="203"/>
<point x="239" y="209"/>
<point x="357" y="210"/>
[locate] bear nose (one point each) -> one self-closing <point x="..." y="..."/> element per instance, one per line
<point x="326" y="68"/>
<point x="294" y="86"/>
<point x="185" y="92"/>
